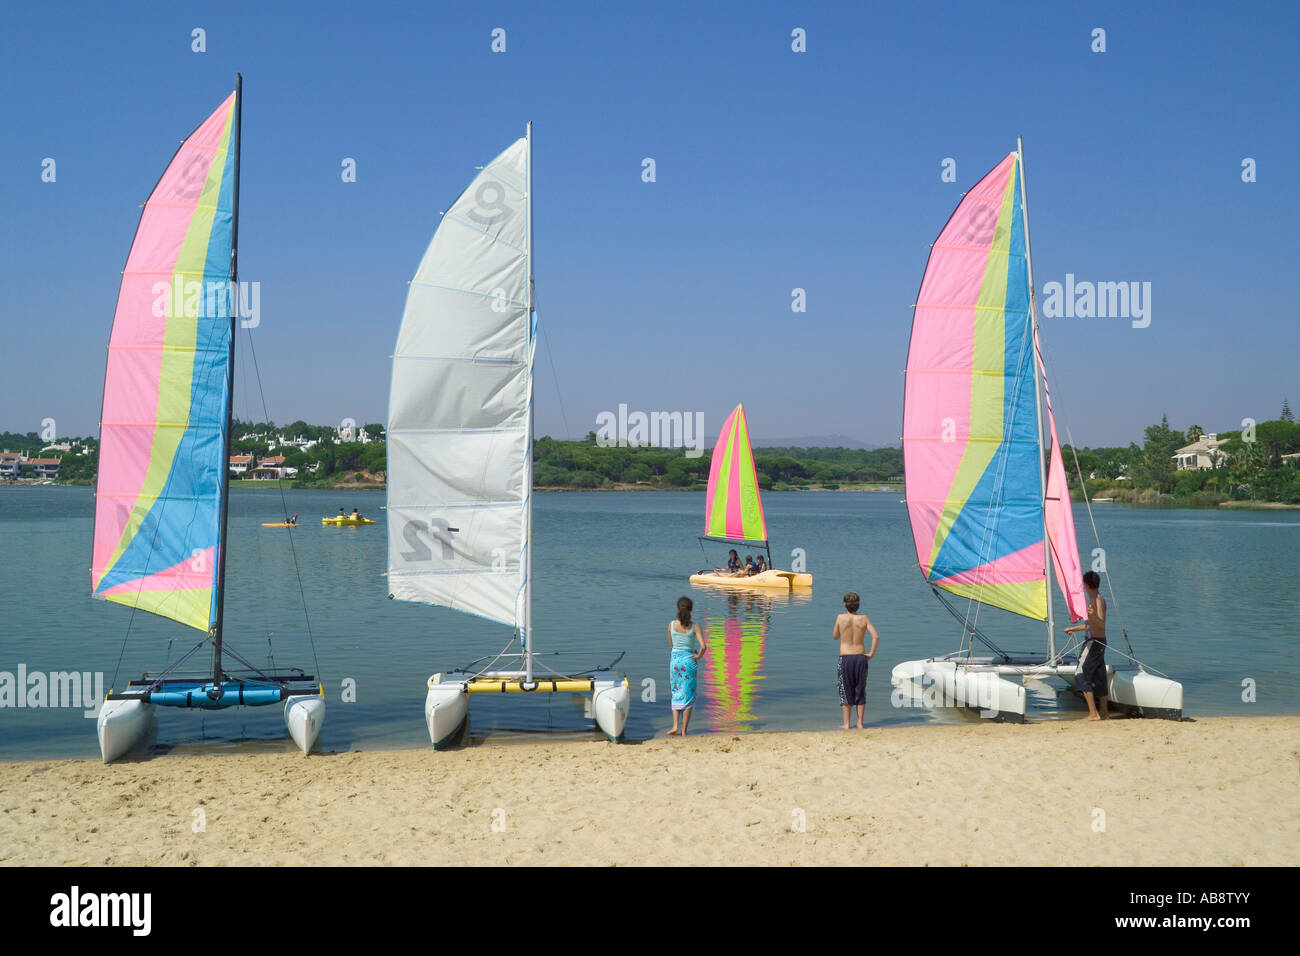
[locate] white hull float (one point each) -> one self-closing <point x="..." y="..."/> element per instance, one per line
<point x="997" y="689"/>
<point x="303" y="718"/>
<point x="121" y="725"/>
<point x="446" y="705"/>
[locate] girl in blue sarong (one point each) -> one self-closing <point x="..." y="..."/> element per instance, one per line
<point x="687" y="645"/>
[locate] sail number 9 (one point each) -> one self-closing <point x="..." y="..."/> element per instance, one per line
<point x="420" y="535"/>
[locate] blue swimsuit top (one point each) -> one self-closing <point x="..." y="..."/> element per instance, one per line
<point x="682" y="642"/>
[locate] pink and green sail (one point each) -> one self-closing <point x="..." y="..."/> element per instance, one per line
<point x="733" y="509"/>
<point x="167" y="389"/>
<point x="975" y="490"/>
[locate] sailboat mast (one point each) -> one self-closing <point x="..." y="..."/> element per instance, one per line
<point x="224" y="470"/>
<point x="1038" y="398"/>
<point x="528" y="459"/>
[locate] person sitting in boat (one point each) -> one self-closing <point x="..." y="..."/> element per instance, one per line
<point x="342" y="513"/>
<point x="355" y="514"/>
<point x="760" y="565"/>
<point x="733" y="564"/>
<point x="749" y="566"/>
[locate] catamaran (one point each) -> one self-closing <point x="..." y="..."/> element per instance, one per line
<point x="162" y="498"/>
<point x="460" y="446"/>
<point x="733" y="510"/>
<point x="990" y="518"/>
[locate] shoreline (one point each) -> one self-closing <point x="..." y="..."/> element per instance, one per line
<point x="1260" y="505"/>
<point x="873" y="487"/>
<point x="1211" y="791"/>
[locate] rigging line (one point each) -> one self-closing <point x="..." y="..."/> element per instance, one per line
<point x="188" y="654"/>
<point x="252" y="667"/>
<point x="482" y="670"/>
<point x="568" y="436"/>
<point x="974" y="632"/>
<point x="279" y="482"/>
<point x="1083" y="488"/>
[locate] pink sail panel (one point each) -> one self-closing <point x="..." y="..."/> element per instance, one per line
<point x="192" y="574"/>
<point x="1019" y="566"/>
<point x="1059" y="516"/>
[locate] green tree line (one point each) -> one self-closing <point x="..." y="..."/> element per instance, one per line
<point x="585" y="464"/>
<point x="1248" y="466"/>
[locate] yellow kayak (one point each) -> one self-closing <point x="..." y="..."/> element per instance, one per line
<point x="347" y="521"/>
<point x="784" y="580"/>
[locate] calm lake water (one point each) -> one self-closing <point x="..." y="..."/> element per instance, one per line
<point x="1209" y="598"/>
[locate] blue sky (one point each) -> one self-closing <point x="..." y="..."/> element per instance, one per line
<point x="775" y="170"/>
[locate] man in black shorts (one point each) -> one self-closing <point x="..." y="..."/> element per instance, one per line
<point x="1091" y="678"/>
<point x="850" y="630"/>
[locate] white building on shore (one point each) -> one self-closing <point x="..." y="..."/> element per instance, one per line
<point x="1201" y="454"/>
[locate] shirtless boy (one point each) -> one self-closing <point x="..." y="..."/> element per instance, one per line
<point x="1091" y="679"/>
<point x="850" y="630"/>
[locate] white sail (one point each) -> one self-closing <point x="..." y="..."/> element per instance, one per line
<point x="458" y="433"/>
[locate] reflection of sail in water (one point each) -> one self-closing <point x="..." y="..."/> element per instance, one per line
<point x="732" y="668"/>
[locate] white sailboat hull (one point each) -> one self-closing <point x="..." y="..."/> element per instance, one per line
<point x="940" y="683"/>
<point x="1145" y="694"/>
<point x="446" y="706"/>
<point x="610" y="701"/>
<point x="446" y="710"/>
<point x="303" y="718"/>
<point x="998" y="690"/>
<point x="121" y="725"/>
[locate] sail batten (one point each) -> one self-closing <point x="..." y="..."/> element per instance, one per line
<point x="458" y="432"/>
<point x="163" y="424"/>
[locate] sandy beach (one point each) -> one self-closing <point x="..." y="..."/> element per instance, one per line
<point x="1205" y="792"/>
